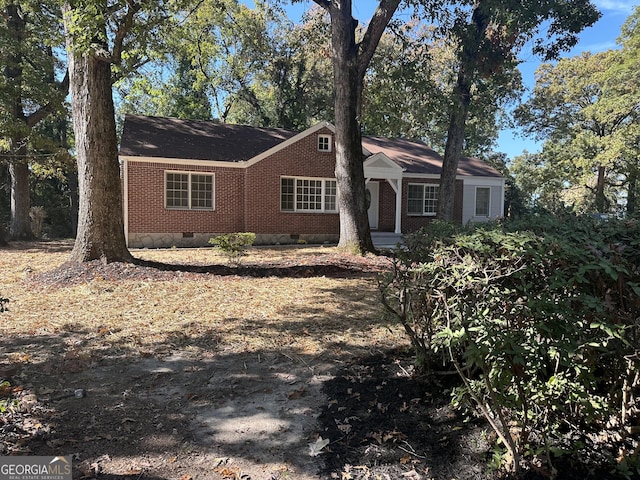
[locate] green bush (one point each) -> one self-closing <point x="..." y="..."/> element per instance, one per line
<point x="539" y="319"/>
<point x="233" y="245"/>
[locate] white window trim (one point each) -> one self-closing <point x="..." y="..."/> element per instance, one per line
<point x="423" y="185"/>
<point x="295" y="194"/>
<point x="475" y="202"/>
<point x="329" y="141"/>
<point x="190" y="207"/>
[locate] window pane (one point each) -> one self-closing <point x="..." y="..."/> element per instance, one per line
<point x="415" y="199"/>
<point x="330" y="193"/>
<point x="308" y="194"/>
<point x="201" y="191"/>
<point x="483" y="196"/>
<point x="287" y="192"/>
<point x="177" y="190"/>
<point x="431" y="198"/>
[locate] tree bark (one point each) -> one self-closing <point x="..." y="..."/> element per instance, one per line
<point x="350" y="62"/>
<point x="601" y="202"/>
<point x="632" y="191"/>
<point x="355" y="233"/>
<point x="3" y="240"/>
<point x="20" y="228"/>
<point x="467" y="70"/>
<point x="100" y="218"/>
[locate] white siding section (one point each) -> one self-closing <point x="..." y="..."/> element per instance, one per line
<point x="496" y="202"/>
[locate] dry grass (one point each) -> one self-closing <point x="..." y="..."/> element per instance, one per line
<point x="197" y="312"/>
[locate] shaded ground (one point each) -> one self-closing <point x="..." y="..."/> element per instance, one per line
<point x="259" y="389"/>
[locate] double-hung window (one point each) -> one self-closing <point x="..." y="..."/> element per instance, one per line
<point x="308" y="194"/>
<point x="483" y="200"/>
<point x="189" y="191"/>
<point x="422" y="199"/>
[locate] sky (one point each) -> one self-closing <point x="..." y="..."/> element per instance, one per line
<point x="597" y="38"/>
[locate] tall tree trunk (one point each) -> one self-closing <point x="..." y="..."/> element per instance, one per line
<point x="355" y="233"/>
<point x="100" y="218"/>
<point x="467" y="70"/>
<point x="453" y="148"/>
<point x="20" y="227"/>
<point x="350" y="63"/>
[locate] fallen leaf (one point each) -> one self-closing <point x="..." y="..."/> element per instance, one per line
<point x="186" y="476"/>
<point x="316" y="447"/>
<point x="296" y="394"/>
<point x="406" y="459"/>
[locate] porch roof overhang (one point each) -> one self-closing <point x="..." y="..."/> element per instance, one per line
<point x="380" y="165"/>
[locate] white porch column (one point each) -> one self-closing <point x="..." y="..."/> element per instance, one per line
<point x="399" y="207"/>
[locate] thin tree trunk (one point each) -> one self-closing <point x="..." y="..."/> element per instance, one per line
<point x="100" y="219"/>
<point x="601" y="203"/>
<point x="632" y="191"/>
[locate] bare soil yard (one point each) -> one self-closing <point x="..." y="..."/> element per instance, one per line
<point x="184" y="368"/>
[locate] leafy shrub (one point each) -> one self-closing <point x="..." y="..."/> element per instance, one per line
<point x="539" y="322"/>
<point x="233" y="245"/>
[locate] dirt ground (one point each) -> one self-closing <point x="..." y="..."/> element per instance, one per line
<point x="321" y="396"/>
<point x="241" y="416"/>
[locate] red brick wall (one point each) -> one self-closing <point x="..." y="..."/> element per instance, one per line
<point x="244" y="199"/>
<point x="302" y="159"/>
<point x="146" y="208"/>
<point x="410" y="223"/>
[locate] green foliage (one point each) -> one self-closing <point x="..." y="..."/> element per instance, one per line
<point x="537" y="317"/>
<point x="233" y="245"/>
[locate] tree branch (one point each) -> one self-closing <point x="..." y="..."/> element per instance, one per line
<point x="35" y="118"/>
<point x="381" y="18"/>
<point x="123" y="29"/>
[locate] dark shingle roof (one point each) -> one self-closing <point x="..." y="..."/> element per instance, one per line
<point x="207" y="140"/>
<point x="417" y="157"/>
<point x="196" y="139"/>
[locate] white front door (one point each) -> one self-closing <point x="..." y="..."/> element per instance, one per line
<point x="374" y="206"/>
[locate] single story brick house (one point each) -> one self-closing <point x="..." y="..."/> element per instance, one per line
<point x="185" y="181"/>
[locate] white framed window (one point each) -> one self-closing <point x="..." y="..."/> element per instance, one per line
<point x="298" y="194"/>
<point x="188" y="190"/>
<point x="422" y="199"/>
<point x="324" y="143"/>
<point x="483" y="201"/>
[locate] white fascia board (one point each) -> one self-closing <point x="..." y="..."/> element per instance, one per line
<point x="185" y="161"/>
<point x="484" y="181"/>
